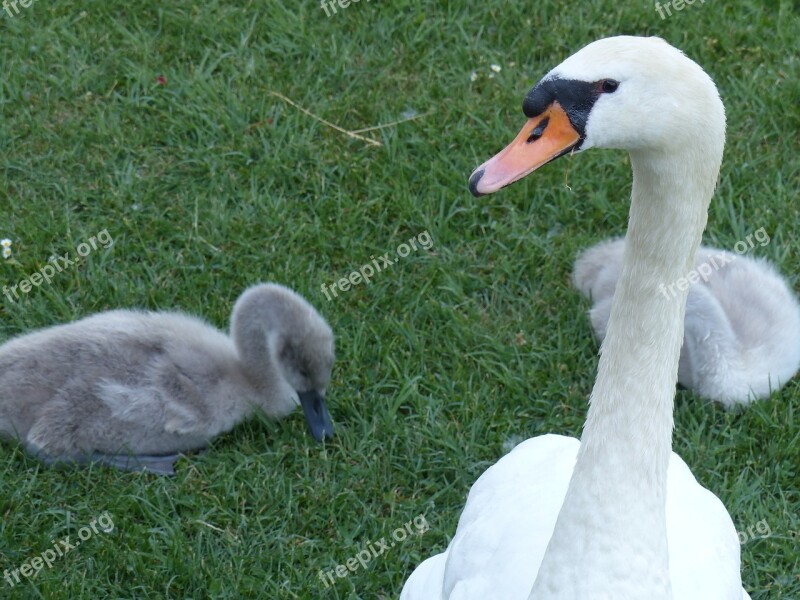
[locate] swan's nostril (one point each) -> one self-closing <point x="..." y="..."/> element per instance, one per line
<point x="474" y="179"/>
<point x="538" y="131"/>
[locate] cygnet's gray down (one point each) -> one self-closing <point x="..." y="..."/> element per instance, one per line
<point x="742" y="324"/>
<point x="134" y="389"/>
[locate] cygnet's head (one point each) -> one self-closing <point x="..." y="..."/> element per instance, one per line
<point x="635" y="93"/>
<point x="272" y="323"/>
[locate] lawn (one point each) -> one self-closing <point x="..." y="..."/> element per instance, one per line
<point x="157" y="126"/>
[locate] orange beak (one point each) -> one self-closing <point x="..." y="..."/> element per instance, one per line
<point x="541" y="140"/>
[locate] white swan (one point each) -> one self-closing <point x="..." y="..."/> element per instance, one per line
<point x="742" y="326"/>
<point x="616" y="515"/>
<point x="132" y="389"/>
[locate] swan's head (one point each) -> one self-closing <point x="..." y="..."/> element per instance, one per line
<point x="284" y="342"/>
<point x="305" y="354"/>
<point x="633" y="93"/>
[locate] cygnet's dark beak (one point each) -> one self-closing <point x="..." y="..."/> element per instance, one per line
<point x="317" y="415"/>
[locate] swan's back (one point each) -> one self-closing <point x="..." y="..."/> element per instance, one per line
<point x="511" y="512"/>
<point x="704" y="550"/>
<point x="742" y="323"/>
<point x="597" y="269"/>
<point x="762" y="310"/>
<point x="116" y="341"/>
<point x="114" y="346"/>
<point x="503" y="532"/>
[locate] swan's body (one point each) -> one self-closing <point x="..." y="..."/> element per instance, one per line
<point x="617" y="516"/>
<point x="742" y="324"/>
<point x="133" y="389"/>
<point x="498" y="557"/>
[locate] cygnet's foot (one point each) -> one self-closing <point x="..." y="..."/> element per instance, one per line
<point x="160" y="465"/>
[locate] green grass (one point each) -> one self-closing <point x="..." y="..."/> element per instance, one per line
<point x="208" y="183"/>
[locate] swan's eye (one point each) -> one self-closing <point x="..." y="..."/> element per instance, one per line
<point x="608" y="86"/>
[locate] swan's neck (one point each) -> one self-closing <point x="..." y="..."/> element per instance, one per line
<point x="251" y="327"/>
<point x="611" y="530"/>
<point x="630" y="409"/>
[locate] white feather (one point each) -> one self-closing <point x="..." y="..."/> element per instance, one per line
<point x="618" y="515"/>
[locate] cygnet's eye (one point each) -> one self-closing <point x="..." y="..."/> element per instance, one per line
<point x="607" y="86"/>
